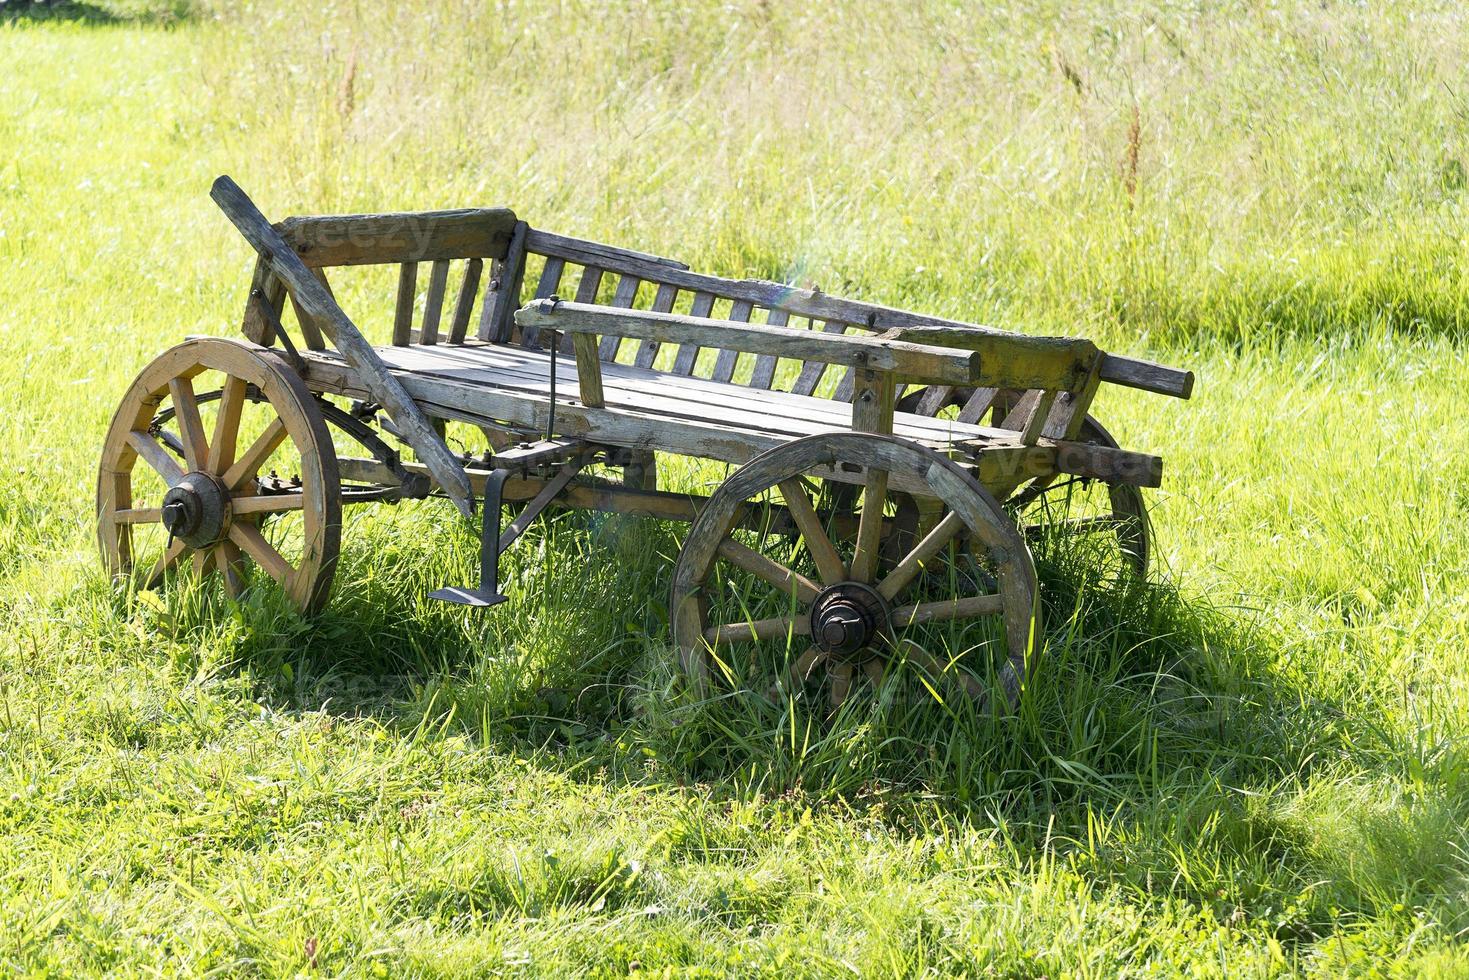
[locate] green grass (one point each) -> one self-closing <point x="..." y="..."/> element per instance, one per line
<point x="1257" y="767"/>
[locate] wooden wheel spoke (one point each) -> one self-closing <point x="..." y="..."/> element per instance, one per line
<point x="150" y="451"/>
<point x="752" y="561"/>
<point x="759" y="629"/>
<point x="137" y="515"/>
<point x="801" y="667"/>
<point x="799" y="670"/>
<point x="227" y="556"/>
<point x="227" y="425"/>
<point x="203" y="563"/>
<point x="191" y="427"/>
<point x="967" y="607"/>
<point x="934" y="667"/>
<point x="870" y="526"/>
<point x="839" y="685"/>
<point x="254" y="457"/>
<point x="249" y="538"/>
<point x="875" y="670"/>
<point x="270" y="503"/>
<point x="907" y="570"/>
<point x="829" y="564"/>
<point x="175" y="549"/>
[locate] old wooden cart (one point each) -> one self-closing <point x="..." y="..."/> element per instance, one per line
<point x="890" y="466"/>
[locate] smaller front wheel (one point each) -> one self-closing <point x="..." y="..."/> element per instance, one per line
<point x="768" y="591"/>
<point x="180" y="478"/>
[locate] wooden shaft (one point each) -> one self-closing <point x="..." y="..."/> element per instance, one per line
<point x="364" y="360"/>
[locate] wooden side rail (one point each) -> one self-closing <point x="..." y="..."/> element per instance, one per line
<point x="317" y="302"/>
<point x="917" y="363"/>
<point x="1056" y="363"/>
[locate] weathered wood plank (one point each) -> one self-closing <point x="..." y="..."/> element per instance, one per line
<point x="545" y="288"/>
<point x="508" y="278"/>
<point x="433" y="304"/>
<point x="622" y="298"/>
<point x="662" y="303"/>
<point x="588" y="370"/>
<point x="410" y="236"/>
<point x="979" y="402"/>
<point x="1147" y="376"/>
<point x="763" y="375"/>
<point x="464" y="302"/>
<point x="688" y="353"/>
<point x="728" y="358"/>
<point x="586" y="295"/>
<point x="812" y="371"/>
<point x="908" y="361"/>
<point x="403" y="310"/>
<point x="686" y="397"/>
<point x="583" y="252"/>
<point x="934" y="397"/>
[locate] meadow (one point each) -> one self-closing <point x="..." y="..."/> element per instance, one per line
<point x="1255" y="767"/>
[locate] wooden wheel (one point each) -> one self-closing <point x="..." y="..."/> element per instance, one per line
<point x="180" y="474"/>
<point x="753" y="607"/>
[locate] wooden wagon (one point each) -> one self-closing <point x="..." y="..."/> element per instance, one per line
<point x="891" y="468"/>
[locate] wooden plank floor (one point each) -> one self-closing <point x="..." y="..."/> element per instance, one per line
<point x="761" y="412"/>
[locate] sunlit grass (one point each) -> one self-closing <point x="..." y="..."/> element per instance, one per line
<point x="1255" y="766"/>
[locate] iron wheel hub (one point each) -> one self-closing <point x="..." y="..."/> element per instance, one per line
<point x="196" y="510"/>
<point x="846" y="618"/>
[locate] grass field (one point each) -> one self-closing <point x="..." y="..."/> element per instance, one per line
<point x="1259" y="767"/>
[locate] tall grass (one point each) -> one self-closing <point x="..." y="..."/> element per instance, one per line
<point x="1254" y="766"/>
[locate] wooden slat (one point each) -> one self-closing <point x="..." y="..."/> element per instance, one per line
<point x="545" y="289"/>
<point x="728" y="358"/>
<point x="662" y="303"/>
<point x="271" y="296"/>
<point x="418" y="236"/>
<point x="433" y="306"/>
<point x="979" y="403"/>
<point x="495" y="321"/>
<point x="586" y="293"/>
<point x="688" y="354"/>
<point x="933" y="399"/>
<point x="464" y="302"/>
<point x="763" y="376"/>
<point x="310" y="331"/>
<point x="812" y="371"/>
<point x="627" y="292"/>
<point x="588" y="370"/>
<point x="403" y="312"/>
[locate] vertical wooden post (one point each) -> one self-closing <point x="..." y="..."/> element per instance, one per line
<point x="873" y="395"/>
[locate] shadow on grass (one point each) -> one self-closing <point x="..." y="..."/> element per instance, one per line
<point x="158" y="12"/>
<point x="1160" y="748"/>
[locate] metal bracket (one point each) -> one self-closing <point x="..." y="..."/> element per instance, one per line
<point x="493" y="543"/>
